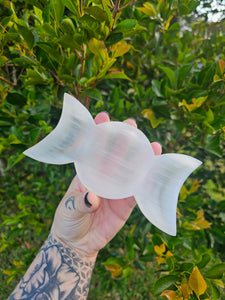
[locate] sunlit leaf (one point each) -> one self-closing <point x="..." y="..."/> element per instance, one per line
<point x="159" y="250"/>
<point x="150" y="115"/>
<point x="114" y="269"/>
<point x="171" y="295"/>
<point x="196" y="103"/>
<point x="148" y="9"/>
<point x="98" y="48"/>
<point x="116" y="75"/>
<point x="197" y="282"/>
<point x="185" y="290"/>
<point x="120" y="49"/>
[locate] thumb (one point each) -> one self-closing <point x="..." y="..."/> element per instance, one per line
<point x="86" y="202"/>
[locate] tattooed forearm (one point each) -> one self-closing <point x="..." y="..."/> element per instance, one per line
<point x="56" y="273"/>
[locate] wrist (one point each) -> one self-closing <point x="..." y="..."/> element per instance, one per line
<point x="83" y="255"/>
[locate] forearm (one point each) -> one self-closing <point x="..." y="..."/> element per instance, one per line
<point x="57" y="272"/>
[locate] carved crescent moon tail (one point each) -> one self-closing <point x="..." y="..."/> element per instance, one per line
<point x="63" y="144"/>
<point x="158" y="196"/>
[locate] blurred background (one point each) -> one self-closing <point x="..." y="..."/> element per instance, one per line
<point x="160" y="62"/>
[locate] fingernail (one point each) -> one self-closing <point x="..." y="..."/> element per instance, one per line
<point x="132" y="120"/>
<point x="105" y="112"/>
<point x="88" y="204"/>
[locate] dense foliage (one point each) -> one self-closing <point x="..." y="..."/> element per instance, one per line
<point x="152" y="61"/>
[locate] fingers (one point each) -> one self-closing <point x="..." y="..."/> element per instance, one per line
<point x="131" y="121"/>
<point x="102" y="117"/>
<point x="157" y="148"/>
<point x="87" y="202"/>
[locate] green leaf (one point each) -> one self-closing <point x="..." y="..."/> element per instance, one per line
<point x="126" y="25"/>
<point x="98" y="13"/>
<point x="92" y="93"/>
<point x="116" y="75"/>
<point x="186" y="267"/>
<point x="3" y="60"/>
<point x="27" y="35"/>
<point x="216" y="271"/>
<point x="156" y="87"/>
<point x="71" y="5"/>
<point x="46" y="13"/>
<point x="182" y="73"/>
<point x="16" y="98"/>
<point x="192" y="5"/>
<point x="213" y="145"/>
<point x="171" y="75"/>
<point x="57" y="8"/>
<point x="205" y="259"/>
<point x="38" y="13"/>
<point x="35" y="77"/>
<point x="49" y="30"/>
<point x="24" y="61"/>
<point x="69" y="41"/>
<point x="13" y="160"/>
<point x="163" y="283"/>
<point x="114" y="38"/>
<point x="215" y="292"/>
<point x="68" y="26"/>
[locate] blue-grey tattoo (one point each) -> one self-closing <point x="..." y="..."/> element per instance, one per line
<point x="70" y="203"/>
<point x="56" y="273"/>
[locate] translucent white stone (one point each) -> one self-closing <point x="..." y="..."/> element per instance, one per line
<point x="115" y="160"/>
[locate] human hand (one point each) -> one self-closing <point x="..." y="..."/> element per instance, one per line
<point x="86" y="222"/>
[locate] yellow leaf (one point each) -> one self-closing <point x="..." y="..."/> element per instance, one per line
<point x="18" y="263"/>
<point x="222" y="65"/>
<point x="98" y="48"/>
<point x="197" y="282"/>
<point x="148" y="9"/>
<point x="114" y="269"/>
<point x="159" y="250"/>
<point x="129" y="65"/>
<point x="185" y="290"/>
<point x="149" y="114"/>
<point x="195" y="186"/>
<point x="183" y="193"/>
<point x="200" y="222"/>
<point x="216" y="78"/>
<point x="168" y="254"/>
<point x="168" y="22"/>
<point x="196" y="103"/>
<point x="160" y="260"/>
<point x="171" y="295"/>
<point x="120" y="49"/>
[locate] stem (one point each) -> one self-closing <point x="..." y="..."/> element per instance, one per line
<point x="129" y="3"/>
<point x="9" y="82"/>
<point x="81" y="8"/>
<point x="116" y="9"/>
<point x="102" y="5"/>
<point x="112" y="3"/>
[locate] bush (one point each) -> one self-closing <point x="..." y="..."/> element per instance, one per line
<point x="154" y="62"/>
